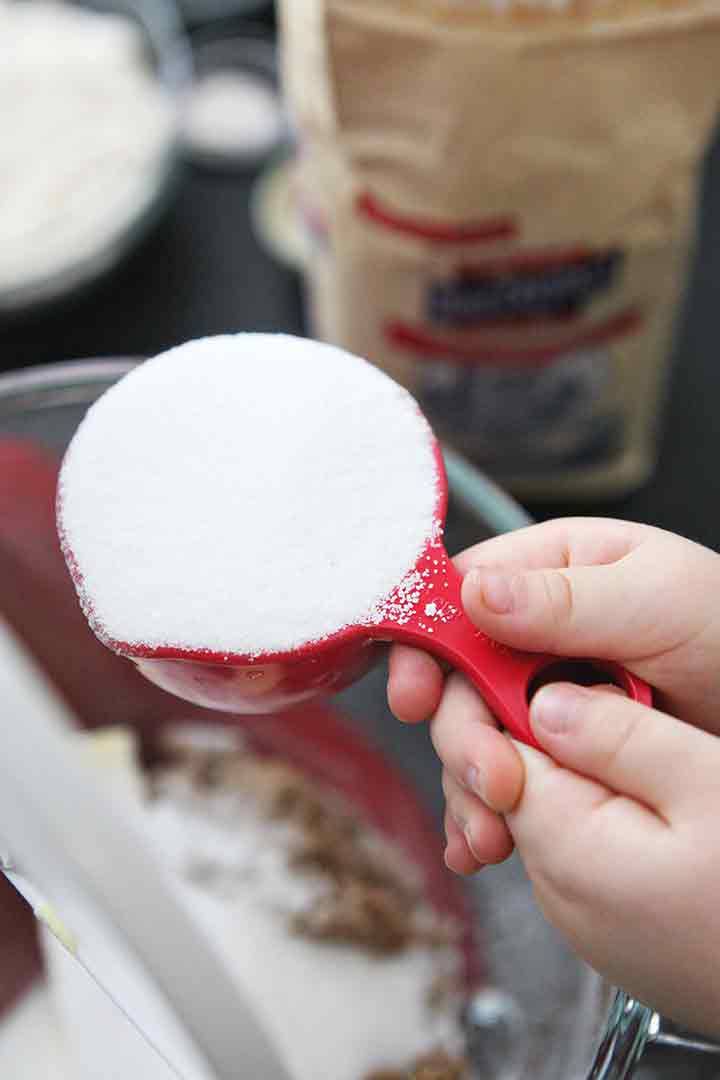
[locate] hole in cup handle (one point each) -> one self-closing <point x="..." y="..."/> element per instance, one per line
<point x="590" y="673"/>
<point x="508" y="680"/>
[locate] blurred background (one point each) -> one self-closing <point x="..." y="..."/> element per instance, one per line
<point x="209" y="240"/>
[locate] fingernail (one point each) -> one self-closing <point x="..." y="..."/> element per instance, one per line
<point x="558" y="708"/>
<point x="477" y="781"/>
<point x="469" y="840"/>
<point x="496" y="590"/>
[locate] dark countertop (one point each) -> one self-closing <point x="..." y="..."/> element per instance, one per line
<point x="202" y="271"/>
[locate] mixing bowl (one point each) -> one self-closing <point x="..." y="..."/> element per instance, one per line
<point x="548" y="1016"/>
<point x="141" y="196"/>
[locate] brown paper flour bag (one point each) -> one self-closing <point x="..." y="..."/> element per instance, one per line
<point x="502" y="204"/>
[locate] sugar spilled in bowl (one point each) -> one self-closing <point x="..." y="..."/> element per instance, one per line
<point x="248" y="517"/>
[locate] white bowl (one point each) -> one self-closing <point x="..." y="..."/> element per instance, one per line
<point x="122" y="215"/>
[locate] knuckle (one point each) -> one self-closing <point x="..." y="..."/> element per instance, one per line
<point x="620" y="735"/>
<point x="452" y="790"/>
<point x="459" y="816"/>
<point x="559" y="598"/>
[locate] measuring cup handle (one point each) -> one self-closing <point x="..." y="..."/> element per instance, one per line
<point x="505" y="677"/>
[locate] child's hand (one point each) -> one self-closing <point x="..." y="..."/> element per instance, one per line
<point x="618" y="826"/>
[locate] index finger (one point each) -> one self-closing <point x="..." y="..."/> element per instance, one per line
<point x="556" y="544"/>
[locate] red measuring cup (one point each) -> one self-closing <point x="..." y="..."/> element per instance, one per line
<point x="424" y="610"/>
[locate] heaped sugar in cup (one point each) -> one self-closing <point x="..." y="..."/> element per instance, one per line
<point x="246" y="495"/>
<point x="247" y="517"/>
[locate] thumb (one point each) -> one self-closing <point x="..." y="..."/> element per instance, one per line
<point x="658" y="595"/>
<point x="629" y="748"/>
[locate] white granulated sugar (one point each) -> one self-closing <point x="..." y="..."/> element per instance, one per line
<point x="248" y="494"/>
<point x="87" y="131"/>
<point x="323" y="1005"/>
<point x="246" y="917"/>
